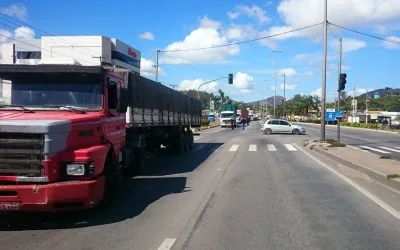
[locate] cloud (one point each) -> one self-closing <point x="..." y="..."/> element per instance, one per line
<point x="147" y="36"/>
<point x="317" y="92"/>
<point x="189" y="84"/>
<point x="392" y="45"/>
<point x="15" y="10"/>
<point x="24" y="33"/>
<point x="287" y="72"/>
<point x="312" y="59"/>
<point x="301" y="13"/>
<point x="148" y="69"/>
<point x="243" y="81"/>
<point x="308" y="73"/>
<point x="4" y="35"/>
<point x="232" y="15"/>
<point x="348" y="45"/>
<point x="239" y="32"/>
<point x="207" y="35"/>
<point x="253" y="11"/>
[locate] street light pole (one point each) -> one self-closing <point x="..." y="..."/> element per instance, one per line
<point x="276" y="76"/>
<point x="158" y="51"/>
<point x="198" y="89"/>
<point x="323" y="87"/>
<point x="284" y="95"/>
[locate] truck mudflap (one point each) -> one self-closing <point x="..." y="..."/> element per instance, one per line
<point x="70" y="195"/>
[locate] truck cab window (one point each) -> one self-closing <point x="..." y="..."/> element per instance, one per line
<point x="112" y="95"/>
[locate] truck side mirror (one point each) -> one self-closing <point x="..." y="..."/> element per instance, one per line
<point x="123" y="100"/>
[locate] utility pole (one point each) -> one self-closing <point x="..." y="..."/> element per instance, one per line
<point x="284" y="94"/>
<point x="173" y="86"/>
<point x="323" y="87"/>
<point x="366" y="106"/>
<point x="338" y="95"/>
<point x="158" y="51"/>
<point x="276" y="76"/>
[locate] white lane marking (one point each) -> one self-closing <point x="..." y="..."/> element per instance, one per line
<point x="196" y="138"/>
<point x="234" y="147"/>
<point x="391" y="149"/>
<point x="253" y="147"/>
<point x="271" y="147"/>
<point x="374" y="149"/>
<point x="290" y="147"/>
<point x="200" y="147"/>
<point x="372" y="197"/>
<point x="167" y="244"/>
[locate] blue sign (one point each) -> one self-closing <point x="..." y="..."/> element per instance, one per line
<point x="330" y="116"/>
<point x="339" y="113"/>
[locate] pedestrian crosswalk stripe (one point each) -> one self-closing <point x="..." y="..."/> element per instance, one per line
<point x="290" y="147"/>
<point x="234" y="147"/>
<point x="390" y="149"/>
<point x="374" y="149"/>
<point x="253" y="147"/>
<point x="271" y="147"/>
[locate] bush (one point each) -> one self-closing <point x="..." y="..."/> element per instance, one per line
<point x="205" y="122"/>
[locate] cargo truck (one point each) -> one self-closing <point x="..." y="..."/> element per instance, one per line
<point x="227" y="112"/>
<point x="69" y="133"/>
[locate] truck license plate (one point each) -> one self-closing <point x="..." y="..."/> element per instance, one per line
<point x="9" y="206"/>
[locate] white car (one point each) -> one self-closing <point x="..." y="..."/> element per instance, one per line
<point x="281" y="126"/>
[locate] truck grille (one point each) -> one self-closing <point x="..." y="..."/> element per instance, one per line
<point x="21" y="154"/>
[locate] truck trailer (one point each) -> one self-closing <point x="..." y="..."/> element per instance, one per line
<point x="69" y="133"/>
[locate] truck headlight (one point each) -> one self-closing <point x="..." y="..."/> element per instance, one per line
<point x="75" y="169"/>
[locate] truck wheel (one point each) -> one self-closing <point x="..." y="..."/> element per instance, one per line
<point x="191" y="139"/>
<point x="129" y="157"/>
<point x="111" y="182"/>
<point x="139" y="158"/>
<point x="180" y="143"/>
<point x="187" y="141"/>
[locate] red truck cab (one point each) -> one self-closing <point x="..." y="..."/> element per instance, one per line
<point x="62" y="132"/>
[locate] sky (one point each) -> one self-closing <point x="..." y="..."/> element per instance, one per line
<point x="148" y="26"/>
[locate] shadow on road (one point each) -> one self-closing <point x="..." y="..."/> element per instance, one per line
<point x="134" y="196"/>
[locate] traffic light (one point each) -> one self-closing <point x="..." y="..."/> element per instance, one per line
<point x="230" y="78"/>
<point x="342" y="81"/>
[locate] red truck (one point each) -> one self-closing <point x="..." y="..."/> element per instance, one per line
<point x="244" y="113"/>
<point x="69" y="133"/>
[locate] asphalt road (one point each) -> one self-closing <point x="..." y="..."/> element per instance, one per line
<point x="379" y="143"/>
<point x="236" y="190"/>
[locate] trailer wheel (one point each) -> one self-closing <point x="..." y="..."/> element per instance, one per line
<point x="111" y="182"/>
<point x="187" y="141"/>
<point x="191" y="139"/>
<point x="128" y="169"/>
<point x="180" y="143"/>
<point x="139" y="158"/>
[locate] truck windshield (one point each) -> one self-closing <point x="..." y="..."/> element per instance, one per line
<point x="226" y="115"/>
<point x="87" y="96"/>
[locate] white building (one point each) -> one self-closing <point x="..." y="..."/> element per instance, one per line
<point x="84" y="50"/>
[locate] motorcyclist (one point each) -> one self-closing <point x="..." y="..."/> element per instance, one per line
<point x="243" y="122"/>
<point x="233" y="122"/>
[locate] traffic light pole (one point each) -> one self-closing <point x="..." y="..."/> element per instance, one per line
<point x="338" y="96"/>
<point x="323" y="82"/>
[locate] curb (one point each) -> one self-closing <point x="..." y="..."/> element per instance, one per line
<point x="365" y="129"/>
<point x="393" y="183"/>
<point x="213" y="126"/>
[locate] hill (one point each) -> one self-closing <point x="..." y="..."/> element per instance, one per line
<point x="382" y="92"/>
<point x="270" y="100"/>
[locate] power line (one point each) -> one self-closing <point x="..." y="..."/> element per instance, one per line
<point x="332" y="33"/>
<point x="365" y="34"/>
<point x="191" y="66"/>
<point x="246" y="41"/>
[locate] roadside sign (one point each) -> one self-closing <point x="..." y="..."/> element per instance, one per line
<point x="330" y="110"/>
<point x="339" y="114"/>
<point x="330" y="116"/>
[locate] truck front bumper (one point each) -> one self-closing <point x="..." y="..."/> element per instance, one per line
<point x="60" y="196"/>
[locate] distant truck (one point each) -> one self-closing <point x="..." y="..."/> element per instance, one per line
<point x="244" y="113"/>
<point x="227" y="112"/>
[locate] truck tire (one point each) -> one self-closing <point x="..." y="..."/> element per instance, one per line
<point x="139" y="160"/>
<point x="129" y="157"/>
<point x="187" y="141"/>
<point x="110" y="183"/>
<point x="191" y="140"/>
